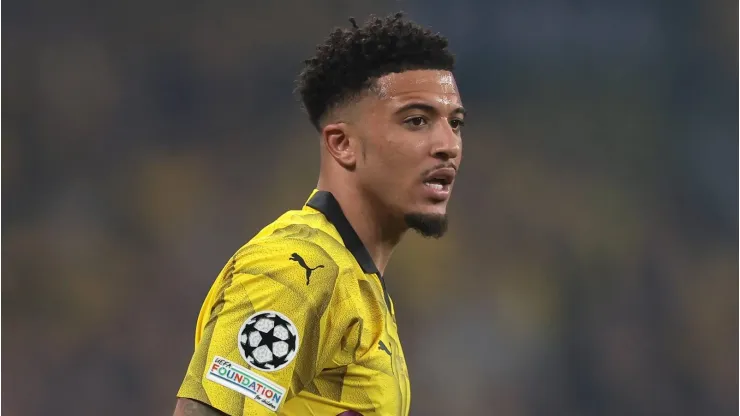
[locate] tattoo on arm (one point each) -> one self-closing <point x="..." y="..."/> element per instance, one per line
<point x="188" y="407"/>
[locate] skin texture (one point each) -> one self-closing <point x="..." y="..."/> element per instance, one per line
<point x="376" y="154"/>
<point x="187" y="407"/>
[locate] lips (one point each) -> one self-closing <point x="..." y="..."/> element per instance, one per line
<point x="442" y="177"/>
<point x="438" y="183"/>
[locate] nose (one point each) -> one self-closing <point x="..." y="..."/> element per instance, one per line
<point x="447" y="144"/>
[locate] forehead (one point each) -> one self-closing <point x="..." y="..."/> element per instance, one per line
<point x="421" y="83"/>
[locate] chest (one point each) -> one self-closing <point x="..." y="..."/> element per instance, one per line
<point x="368" y="373"/>
<point x="376" y="374"/>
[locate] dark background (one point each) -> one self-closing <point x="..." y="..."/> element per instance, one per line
<point x="591" y="267"/>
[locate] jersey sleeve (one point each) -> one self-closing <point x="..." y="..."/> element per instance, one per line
<point x="270" y="328"/>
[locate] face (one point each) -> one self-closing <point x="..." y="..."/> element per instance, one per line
<point x="409" y="129"/>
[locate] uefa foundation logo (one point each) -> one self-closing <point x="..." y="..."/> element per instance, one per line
<point x="268" y="341"/>
<point x="248" y="383"/>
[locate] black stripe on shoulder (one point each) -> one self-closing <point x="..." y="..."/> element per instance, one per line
<point x="328" y="205"/>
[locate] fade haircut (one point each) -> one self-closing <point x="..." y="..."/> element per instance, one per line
<point x="352" y="59"/>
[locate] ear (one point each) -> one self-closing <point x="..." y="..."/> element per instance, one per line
<point x="338" y="142"/>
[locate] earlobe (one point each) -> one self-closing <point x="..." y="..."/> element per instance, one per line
<point x="337" y="141"/>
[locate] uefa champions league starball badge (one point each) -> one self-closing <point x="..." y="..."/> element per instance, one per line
<point x="268" y="341"/>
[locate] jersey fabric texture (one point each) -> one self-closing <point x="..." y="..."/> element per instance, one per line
<point x="299" y="323"/>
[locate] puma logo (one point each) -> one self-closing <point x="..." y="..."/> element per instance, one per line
<point x="298" y="259"/>
<point x="382" y="347"/>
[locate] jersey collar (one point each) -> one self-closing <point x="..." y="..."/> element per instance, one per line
<point x="325" y="202"/>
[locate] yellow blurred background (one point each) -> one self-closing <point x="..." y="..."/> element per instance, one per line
<point x="591" y="267"/>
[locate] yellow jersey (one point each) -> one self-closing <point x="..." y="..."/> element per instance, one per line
<point x="299" y="323"/>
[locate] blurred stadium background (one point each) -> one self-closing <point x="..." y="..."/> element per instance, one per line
<point x="591" y="267"/>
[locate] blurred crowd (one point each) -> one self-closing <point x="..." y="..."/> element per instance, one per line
<point x="591" y="267"/>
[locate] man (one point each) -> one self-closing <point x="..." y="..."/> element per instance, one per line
<point x="299" y="321"/>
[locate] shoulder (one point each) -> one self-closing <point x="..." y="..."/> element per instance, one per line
<point x="297" y="252"/>
<point x="305" y="233"/>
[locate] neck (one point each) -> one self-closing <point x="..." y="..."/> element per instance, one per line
<point x="378" y="231"/>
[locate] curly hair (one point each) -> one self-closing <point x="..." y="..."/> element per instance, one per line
<point x="351" y="60"/>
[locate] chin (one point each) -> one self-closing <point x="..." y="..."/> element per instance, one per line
<point x="432" y="208"/>
<point x="440" y="209"/>
<point x="428" y="224"/>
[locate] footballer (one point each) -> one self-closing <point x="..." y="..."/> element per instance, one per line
<point x="299" y="321"/>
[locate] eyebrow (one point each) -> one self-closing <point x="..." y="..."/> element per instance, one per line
<point x="428" y="108"/>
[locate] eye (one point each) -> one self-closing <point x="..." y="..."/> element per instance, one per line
<point x="416" y="121"/>
<point x="456" y="124"/>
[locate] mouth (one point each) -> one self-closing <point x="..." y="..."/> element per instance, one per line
<point x="440" y="181"/>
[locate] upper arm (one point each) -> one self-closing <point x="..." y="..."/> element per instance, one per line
<point x="189" y="407"/>
<point x="262" y="343"/>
